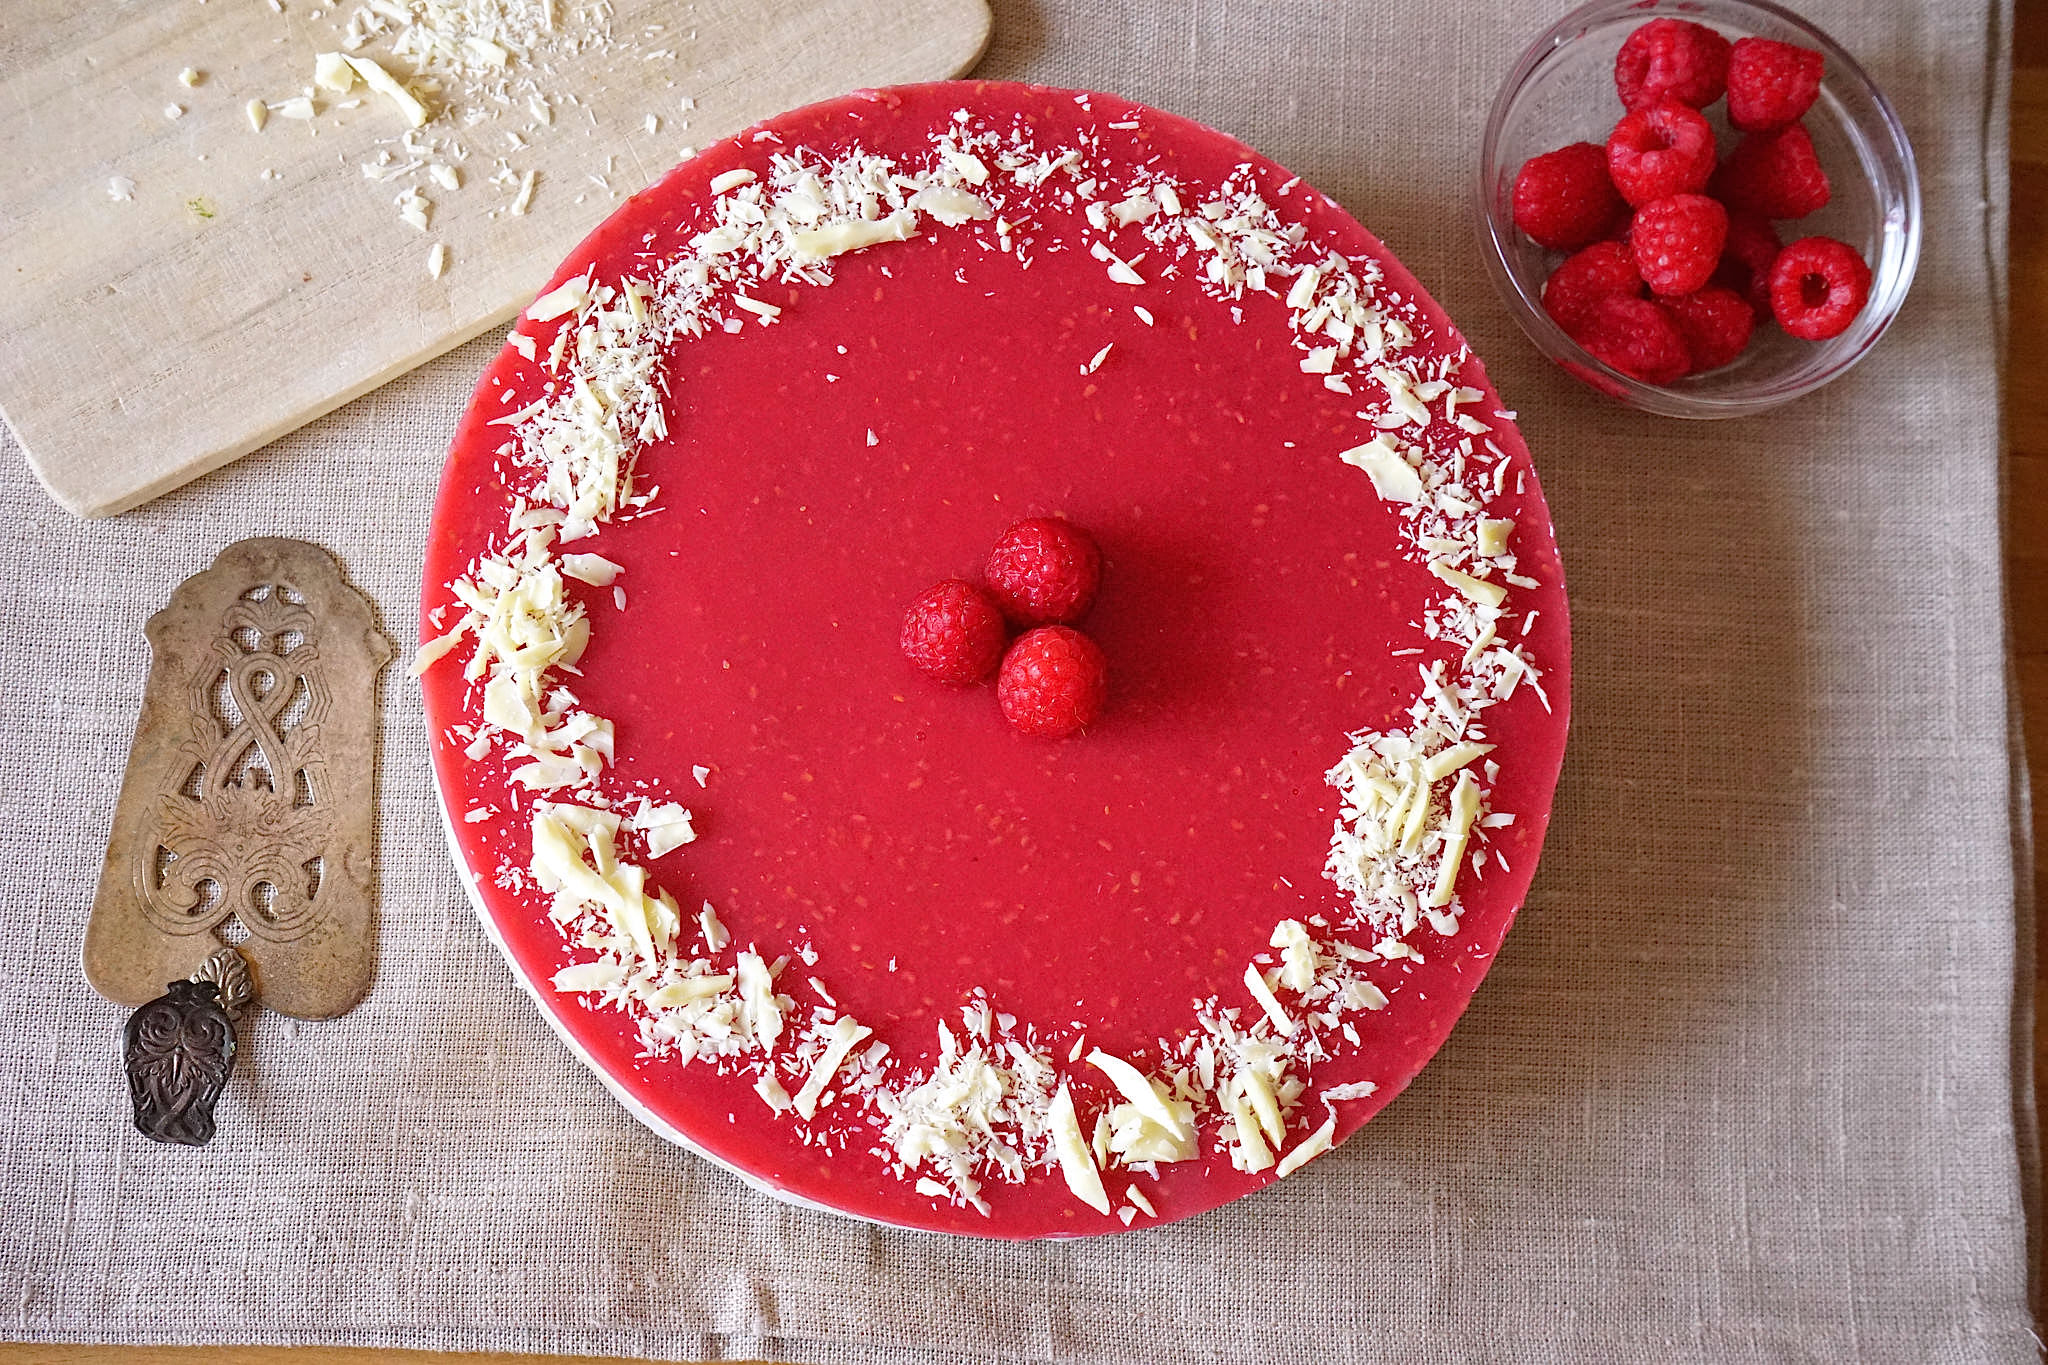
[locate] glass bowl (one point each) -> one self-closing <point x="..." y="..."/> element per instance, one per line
<point x="1562" y="91"/>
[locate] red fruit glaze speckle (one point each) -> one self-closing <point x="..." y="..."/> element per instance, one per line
<point x="1818" y="286"/>
<point x="955" y="632"/>
<point x="1664" y="150"/>
<point x="1044" y="572"/>
<point x="1671" y="59"/>
<point x="1564" y="199"/>
<point x="1771" y="84"/>
<point x="1053" y="683"/>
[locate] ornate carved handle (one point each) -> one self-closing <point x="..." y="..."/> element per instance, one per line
<point x="180" y="1047"/>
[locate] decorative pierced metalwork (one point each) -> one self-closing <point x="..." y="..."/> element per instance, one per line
<point x="244" y="834"/>
<point x="245" y="817"/>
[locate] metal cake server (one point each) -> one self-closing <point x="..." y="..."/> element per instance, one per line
<point x="240" y="862"/>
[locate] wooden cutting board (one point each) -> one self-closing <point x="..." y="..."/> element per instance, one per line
<point x="181" y="289"/>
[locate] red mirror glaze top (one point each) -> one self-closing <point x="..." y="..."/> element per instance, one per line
<point x="1258" y="604"/>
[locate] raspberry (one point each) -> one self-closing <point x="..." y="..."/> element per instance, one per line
<point x="1818" y="286"/>
<point x="1771" y="84"/>
<point x="1636" y="337"/>
<point x="1044" y="571"/>
<point x="1602" y="270"/>
<point x="1677" y="242"/>
<point x="1563" y="199"/>
<point x="954" y="631"/>
<point x="1671" y="59"/>
<point x="1664" y="150"/>
<point x="1716" y="324"/>
<point x="1053" y="682"/>
<point x="1774" y="174"/>
<point x="1746" y="260"/>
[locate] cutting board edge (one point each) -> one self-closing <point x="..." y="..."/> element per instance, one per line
<point x="85" y="492"/>
<point x="85" y="502"/>
<point x="981" y="41"/>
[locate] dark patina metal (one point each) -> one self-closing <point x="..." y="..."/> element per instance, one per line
<point x="179" y="1048"/>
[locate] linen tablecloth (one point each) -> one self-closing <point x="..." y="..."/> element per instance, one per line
<point x="1742" y="1086"/>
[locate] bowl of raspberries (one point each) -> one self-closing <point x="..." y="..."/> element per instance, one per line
<point x="1703" y="208"/>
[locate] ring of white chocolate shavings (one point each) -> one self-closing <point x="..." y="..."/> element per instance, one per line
<point x="995" y="1104"/>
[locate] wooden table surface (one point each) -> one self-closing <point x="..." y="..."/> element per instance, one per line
<point x="2026" y="564"/>
<point x="2026" y="559"/>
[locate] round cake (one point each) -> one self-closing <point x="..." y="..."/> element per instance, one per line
<point x="844" y="929"/>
